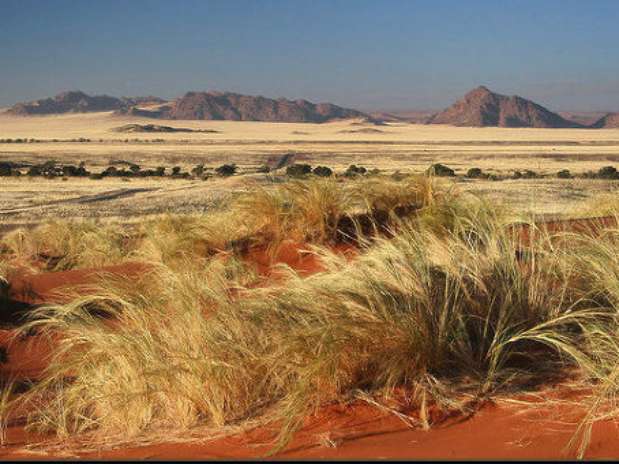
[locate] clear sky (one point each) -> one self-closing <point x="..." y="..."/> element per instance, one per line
<point x="379" y="54"/>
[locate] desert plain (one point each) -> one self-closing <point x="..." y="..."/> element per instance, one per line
<point x="206" y="317"/>
<point x="391" y="147"/>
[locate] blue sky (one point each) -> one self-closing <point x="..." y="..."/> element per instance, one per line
<point x="382" y="54"/>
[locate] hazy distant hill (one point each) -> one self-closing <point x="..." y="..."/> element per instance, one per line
<point x="585" y="118"/>
<point x="608" y="121"/>
<point x="481" y="107"/>
<point x="237" y="107"/>
<point x="417" y="117"/>
<point x="78" y="102"/>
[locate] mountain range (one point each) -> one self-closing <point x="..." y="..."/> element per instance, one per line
<point x="478" y="108"/>
<point x="193" y="105"/>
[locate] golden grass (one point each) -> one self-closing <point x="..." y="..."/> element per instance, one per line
<point x="302" y="211"/>
<point x="443" y="308"/>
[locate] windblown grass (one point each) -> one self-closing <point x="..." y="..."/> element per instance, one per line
<point x="304" y="211"/>
<point x="61" y="245"/>
<point x="443" y="308"/>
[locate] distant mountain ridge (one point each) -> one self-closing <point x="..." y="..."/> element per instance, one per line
<point x="238" y="107"/>
<point x="482" y="108"/>
<point x="478" y="108"/>
<point x="78" y="102"/>
<point x="193" y="106"/>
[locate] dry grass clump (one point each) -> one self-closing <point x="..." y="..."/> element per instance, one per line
<point x="385" y="194"/>
<point x="176" y="238"/>
<point x="597" y="267"/>
<point x="441" y="312"/>
<point x="61" y="245"/>
<point x="304" y="211"/>
<point x="4" y="273"/>
<point x="601" y="205"/>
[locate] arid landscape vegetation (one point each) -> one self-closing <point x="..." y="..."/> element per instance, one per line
<point x="247" y="288"/>
<point x="273" y="230"/>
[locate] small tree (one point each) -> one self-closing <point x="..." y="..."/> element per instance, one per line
<point x="354" y="170"/>
<point x="298" y="170"/>
<point x="322" y="171"/>
<point x="564" y="174"/>
<point x="608" y="172"/>
<point x="34" y="171"/>
<point x="440" y="170"/>
<point x="5" y="169"/>
<point x="176" y="170"/>
<point x="198" y="170"/>
<point x="474" y="173"/>
<point x="110" y="171"/>
<point x="226" y="170"/>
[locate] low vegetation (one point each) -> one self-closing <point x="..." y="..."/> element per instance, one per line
<point x="445" y="304"/>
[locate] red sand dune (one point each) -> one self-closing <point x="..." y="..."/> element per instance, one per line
<point x="360" y="431"/>
<point x="28" y="356"/>
<point x="45" y="287"/>
<point x="296" y="255"/>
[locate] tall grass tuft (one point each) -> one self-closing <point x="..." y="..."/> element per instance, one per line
<point x="445" y="307"/>
<point x="61" y="245"/>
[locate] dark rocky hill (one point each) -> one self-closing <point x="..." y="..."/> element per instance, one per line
<point x="481" y="108"/>
<point x="237" y="107"/>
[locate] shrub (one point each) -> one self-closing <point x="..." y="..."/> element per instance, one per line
<point x="322" y="171"/>
<point x="110" y="171"/>
<point x="75" y="171"/>
<point x="440" y="170"/>
<point x="354" y="170"/>
<point x="608" y="172"/>
<point x="226" y="170"/>
<point x="298" y="170"/>
<point x="564" y="174"/>
<point x="528" y="174"/>
<point x="198" y="170"/>
<point x="176" y="170"/>
<point x="517" y="175"/>
<point x="5" y="169"/>
<point x="474" y="173"/>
